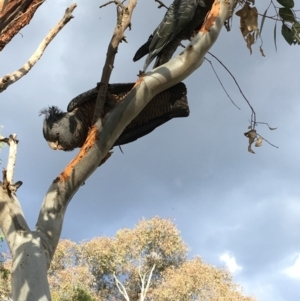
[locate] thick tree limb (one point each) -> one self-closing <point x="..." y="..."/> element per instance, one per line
<point x="124" y="14"/>
<point x="16" y="215"/>
<point x="9" y="79"/>
<point x="26" y="247"/>
<point x="14" y="15"/>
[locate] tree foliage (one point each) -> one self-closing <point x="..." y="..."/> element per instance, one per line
<point x="87" y="271"/>
<point x="90" y="267"/>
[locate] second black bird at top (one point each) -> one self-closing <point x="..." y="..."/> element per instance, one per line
<point x="180" y="22"/>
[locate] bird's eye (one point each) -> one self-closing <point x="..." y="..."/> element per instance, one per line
<point x="57" y="134"/>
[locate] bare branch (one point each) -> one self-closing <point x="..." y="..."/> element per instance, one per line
<point x="216" y="74"/>
<point x="268" y="141"/>
<point x="12" y="142"/>
<point x="9" y="79"/>
<point x="111" y="2"/>
<point x="123" y="22"/>
<point x="145" y="289"/>
<point x="11" y="214"/>
<point x="121" y="288"/>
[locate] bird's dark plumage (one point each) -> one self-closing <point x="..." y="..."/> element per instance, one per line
<point x="180" y="22"/>
<point x="68" y="130"/>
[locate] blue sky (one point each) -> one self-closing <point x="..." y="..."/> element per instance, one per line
<point x="233" y="208"/>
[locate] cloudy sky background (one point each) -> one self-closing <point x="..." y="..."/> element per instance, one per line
<point x="233" y="208"/>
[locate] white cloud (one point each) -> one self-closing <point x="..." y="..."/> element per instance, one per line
<point x="294" y="270"/>
<point x="230" y="263"/>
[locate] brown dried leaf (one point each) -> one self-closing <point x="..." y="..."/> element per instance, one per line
<point x="248" y="24"/>
<point x="259" y="141"/>
<point x="251" y="135"/>
<point x="250" y="39"/>
<point x="250" y="150"/>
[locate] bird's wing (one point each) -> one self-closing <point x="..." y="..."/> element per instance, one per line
<point x="91" y="95"/>
<point x="143" y="50"/>
<point x="178" y="16"/>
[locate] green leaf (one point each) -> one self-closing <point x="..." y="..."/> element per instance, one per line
<point x="296" y="32"/>
<point x="263" y="21"/>
<point x="275" y="37"/>
<point x="286" y="14"/>
<point x="286" y="3"/>
<point x="287" y="34"/>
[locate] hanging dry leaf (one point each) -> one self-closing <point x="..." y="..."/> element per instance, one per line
<point x="251" y="135"/>
<point x="248" y="24"/>
<point x="259" y="141"/>
<point x="250" y="41"/>
<point x="250" y="150"/>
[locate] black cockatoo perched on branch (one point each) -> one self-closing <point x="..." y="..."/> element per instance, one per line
<point x="181" y="21"/>
<point x="68" y="130"/>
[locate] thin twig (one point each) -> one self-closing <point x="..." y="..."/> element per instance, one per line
<point x="266" y="124"/>
<point x="253" y="115"/>
<point x="111" y="2"/>
<point x="221" y="83"/>
<point x="9" y="79"/>
<point x="161" y="4"/>
<point x="268" y="141"/>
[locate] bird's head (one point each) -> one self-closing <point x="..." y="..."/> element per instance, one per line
<point x="61" y="129"/>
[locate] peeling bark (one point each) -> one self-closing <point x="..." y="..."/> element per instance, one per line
<point x="14" y="15"/>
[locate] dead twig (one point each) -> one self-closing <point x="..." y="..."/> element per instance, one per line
<point x="124" y="14"/>
<point x="161" y="4"/>
<point x="9" y="79"/>
<point x="253" y="114"/>
<point x="111" y="2"/>
<point x="211" y="64"/>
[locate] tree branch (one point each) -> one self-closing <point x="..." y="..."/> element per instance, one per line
<point x="14" y="15"/>
<point x="9" y="79"/>
<point x="124" y="14"/>
<point x="25" y="246"/>
<point x="121" y="288"/>
<point x="144" y="289"/>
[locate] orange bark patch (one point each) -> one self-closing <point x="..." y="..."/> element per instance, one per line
<point x="89" y="142"/>
<point x="14" y="15"/>
<point x="139" y="80"/>
<point x="211" y="17"/>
